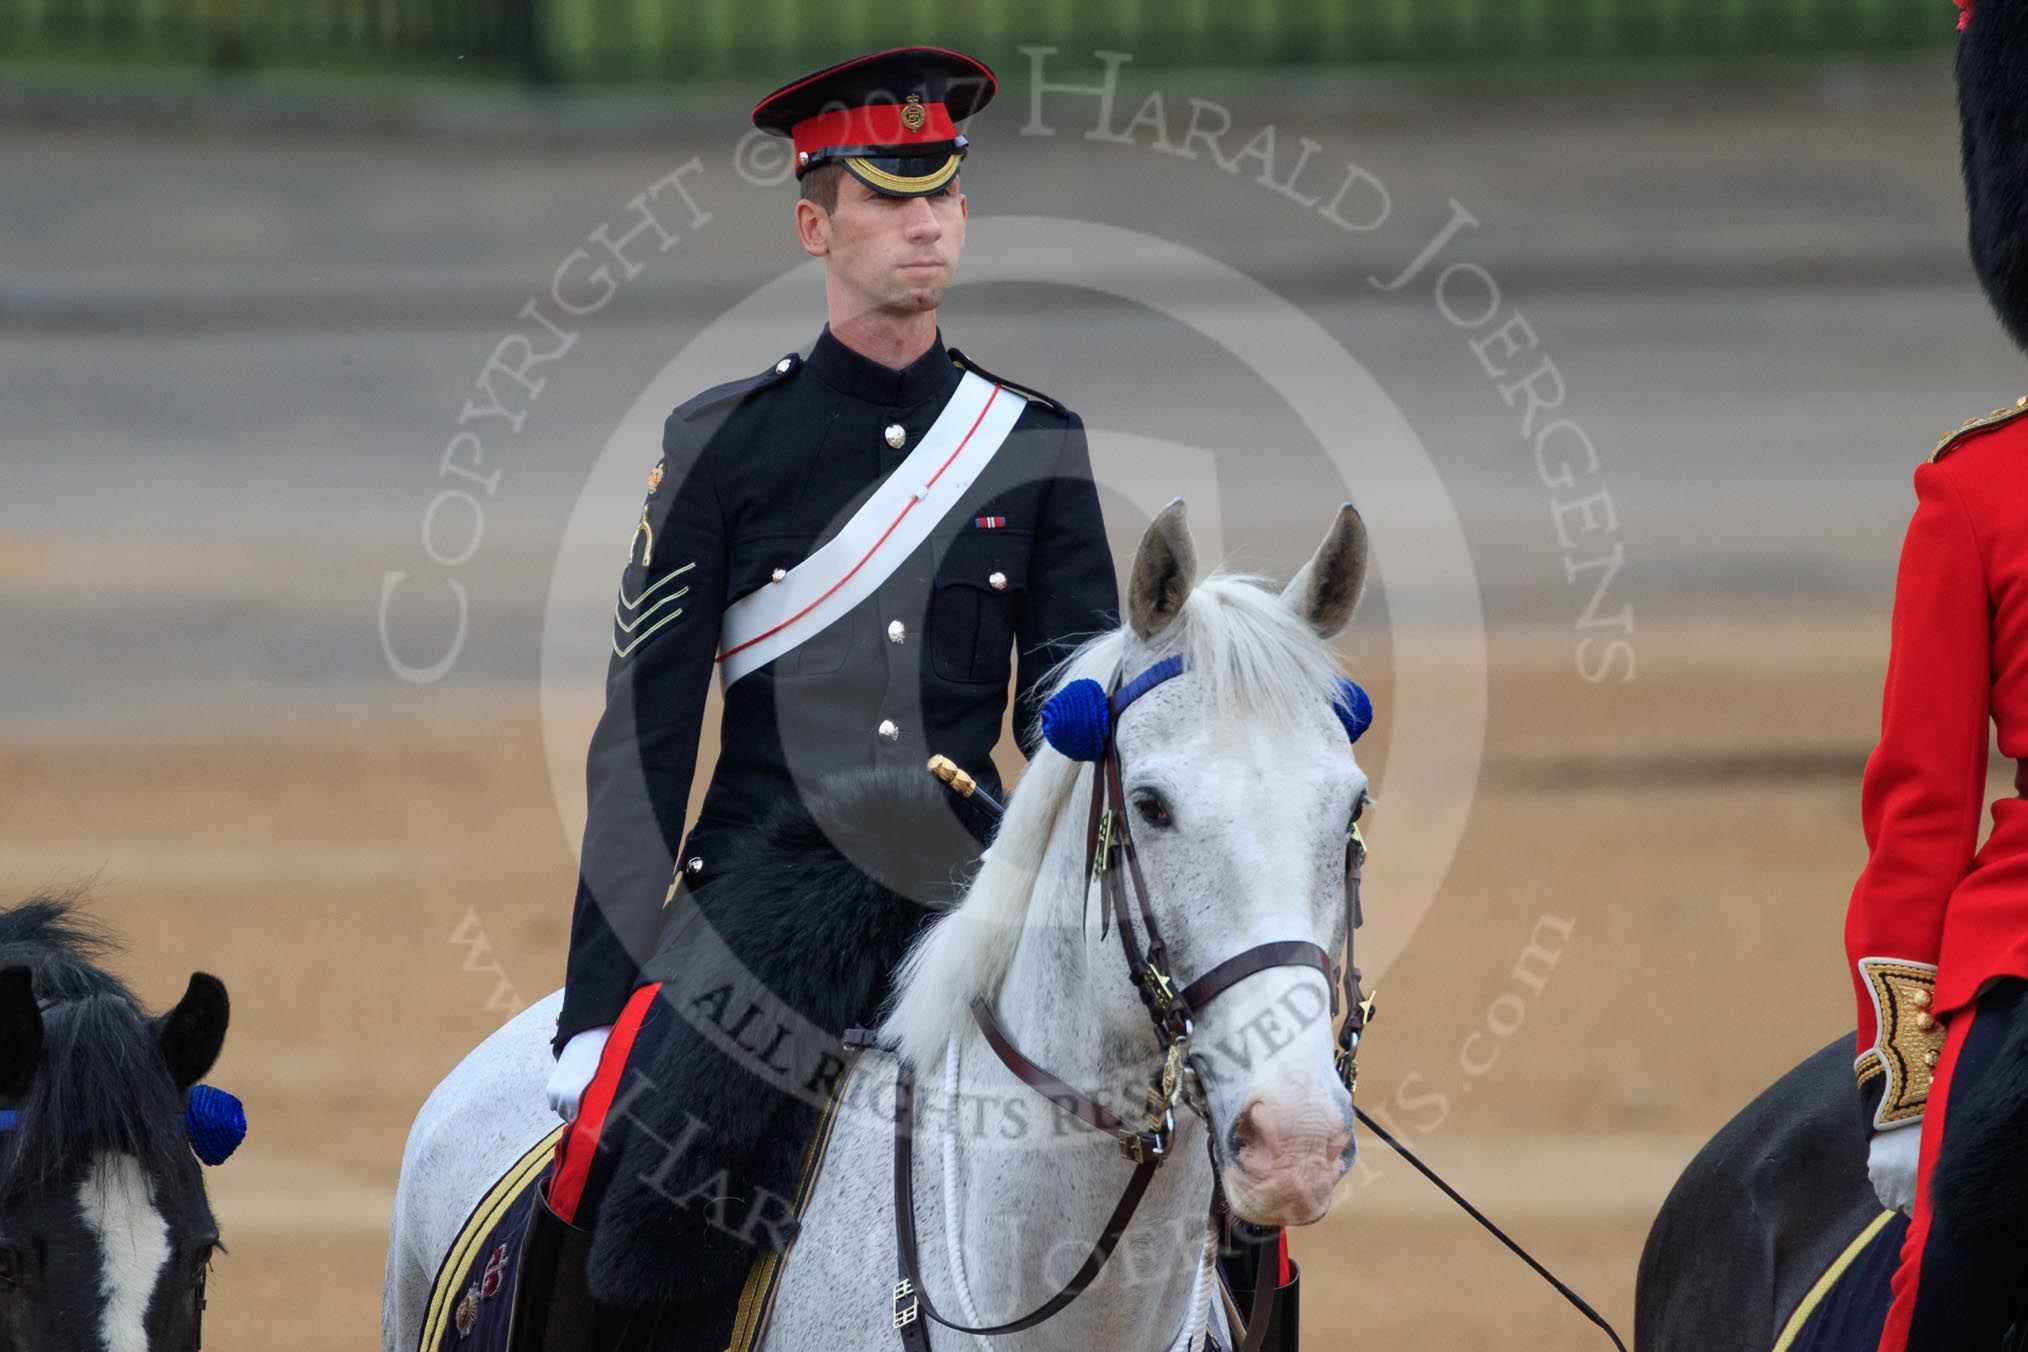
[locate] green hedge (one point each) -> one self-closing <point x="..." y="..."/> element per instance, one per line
<point x="758" y="39"/>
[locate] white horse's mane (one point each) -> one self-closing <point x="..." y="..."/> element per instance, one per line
<point x="1252" y="655"/>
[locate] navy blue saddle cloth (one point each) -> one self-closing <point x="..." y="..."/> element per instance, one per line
<point x="473" y="1294"/>
<point x="474" y="1290"/>
<point x="1847" y="1306"/>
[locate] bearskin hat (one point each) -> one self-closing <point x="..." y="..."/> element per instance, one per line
<point x="1993" y="104"/>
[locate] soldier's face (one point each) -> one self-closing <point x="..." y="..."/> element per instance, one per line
<point x="889" y="253"/>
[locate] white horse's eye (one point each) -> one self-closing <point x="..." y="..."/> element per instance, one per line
<point x="1358" y="806"/>
<point x="1153" y="810"/>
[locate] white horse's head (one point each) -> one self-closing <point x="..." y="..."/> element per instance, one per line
<point x="1242" y="789"/>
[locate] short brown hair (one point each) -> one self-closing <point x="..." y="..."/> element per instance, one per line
<point x="820" y="185"/>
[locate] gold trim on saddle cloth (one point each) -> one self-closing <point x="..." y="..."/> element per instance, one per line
<point x="764" y="1279"/>
<point x="1910" y="1041"/>
<point x="455" y="1271"/>
<point x="1815" y="1295"/>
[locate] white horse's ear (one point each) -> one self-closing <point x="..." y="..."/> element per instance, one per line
<point x="1164" y="571"/>
<point x="1326" y="591"/>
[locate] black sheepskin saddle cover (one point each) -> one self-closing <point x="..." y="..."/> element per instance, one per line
<point x="1979" y="1186"/>
<point x="794" y="940"/>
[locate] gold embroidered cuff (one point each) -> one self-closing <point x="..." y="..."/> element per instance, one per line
<point x="1910" y="1041"/>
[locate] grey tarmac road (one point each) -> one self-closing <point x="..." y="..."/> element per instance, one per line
<point x="235" y="345"/>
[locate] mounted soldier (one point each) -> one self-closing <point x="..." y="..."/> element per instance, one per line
<point x="1937" y="929"/>
<point x="865" y="542"/>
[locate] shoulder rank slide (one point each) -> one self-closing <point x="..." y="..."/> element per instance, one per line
<point x="738" y="389"/>
<point x="1998" y="417"/>
<point x="964" y="363"/>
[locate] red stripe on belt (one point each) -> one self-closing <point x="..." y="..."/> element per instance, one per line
<point x="574" y="1153"/>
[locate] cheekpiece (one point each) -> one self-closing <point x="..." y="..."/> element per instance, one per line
<point x="890" y="118"/>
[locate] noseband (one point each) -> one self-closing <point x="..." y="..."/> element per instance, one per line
<point x="1082" y="721"/>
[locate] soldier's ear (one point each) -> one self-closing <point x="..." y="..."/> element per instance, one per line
<point x="813" y="228"/>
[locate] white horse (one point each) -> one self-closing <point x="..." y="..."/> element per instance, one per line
<point x="1243" y="790"/>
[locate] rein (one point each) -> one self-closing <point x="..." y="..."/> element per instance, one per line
<point x="1148" y="1145"/>
<point x="1109" y="843"/>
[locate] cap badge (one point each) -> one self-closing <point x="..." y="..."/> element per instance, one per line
<point x="913" y="115"/>
<point x="654" y="478"/>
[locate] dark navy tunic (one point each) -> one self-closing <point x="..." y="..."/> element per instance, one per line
<point x="755" y="476"/>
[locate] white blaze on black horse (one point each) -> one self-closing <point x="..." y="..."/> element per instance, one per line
<point x="106" y="1233"/>
<point x="119" y="1212"/>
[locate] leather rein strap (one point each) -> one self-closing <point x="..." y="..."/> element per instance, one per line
<point x="1109" y="842"/>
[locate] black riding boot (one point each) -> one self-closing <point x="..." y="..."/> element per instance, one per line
<point x="1255" y="1257"/>
<point x="553" y="1306"/>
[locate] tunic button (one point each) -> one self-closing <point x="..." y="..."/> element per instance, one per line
<point x="782" y="366"/>
<point x="998" y="582"/>
<point x="897" y="435"/>
<point x="897" y="632"/>
<point x="778" y="574"/>
<point x="694" y="864"/>
<point x="888" y="731"/>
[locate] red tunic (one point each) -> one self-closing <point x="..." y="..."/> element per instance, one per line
<point x="1929" y="894"/>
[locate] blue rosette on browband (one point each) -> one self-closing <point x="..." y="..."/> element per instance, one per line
<point x="1077" y="720"/>
<point x="216" y="1123"/>
<point x="1354" y="708"/>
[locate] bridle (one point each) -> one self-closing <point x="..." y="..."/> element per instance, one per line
<point x="214" y="1122"/>
<point x="1113" y="864"/>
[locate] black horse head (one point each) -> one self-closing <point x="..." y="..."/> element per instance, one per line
<point x="105" y="1230"/>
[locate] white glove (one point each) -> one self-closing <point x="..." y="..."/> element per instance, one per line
<point x="1890" y="1163"/>
<point x="577" y="1065"/>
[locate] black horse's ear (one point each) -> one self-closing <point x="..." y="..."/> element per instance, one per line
<point x="20" y="1031"/>
<point x="190" y="1035"/>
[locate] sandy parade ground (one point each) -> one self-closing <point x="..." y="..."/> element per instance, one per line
<point x="232" y="357"/>
<point x="1680" y="844"/>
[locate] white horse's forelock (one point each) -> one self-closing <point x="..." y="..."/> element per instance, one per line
<point x="1251" y="655"/>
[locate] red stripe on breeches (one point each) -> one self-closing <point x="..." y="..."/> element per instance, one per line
<point x="580" y="1145"/>
<point x="1908" y="1274"/>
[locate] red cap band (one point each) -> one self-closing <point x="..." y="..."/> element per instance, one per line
<point x="879" y="125"/>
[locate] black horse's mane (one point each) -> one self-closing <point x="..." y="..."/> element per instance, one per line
<point x="101" y="1084"/>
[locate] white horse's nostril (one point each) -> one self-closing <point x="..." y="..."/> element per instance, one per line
<point x="1275" y="1139"/>
<point x="1245" y="1132"/>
